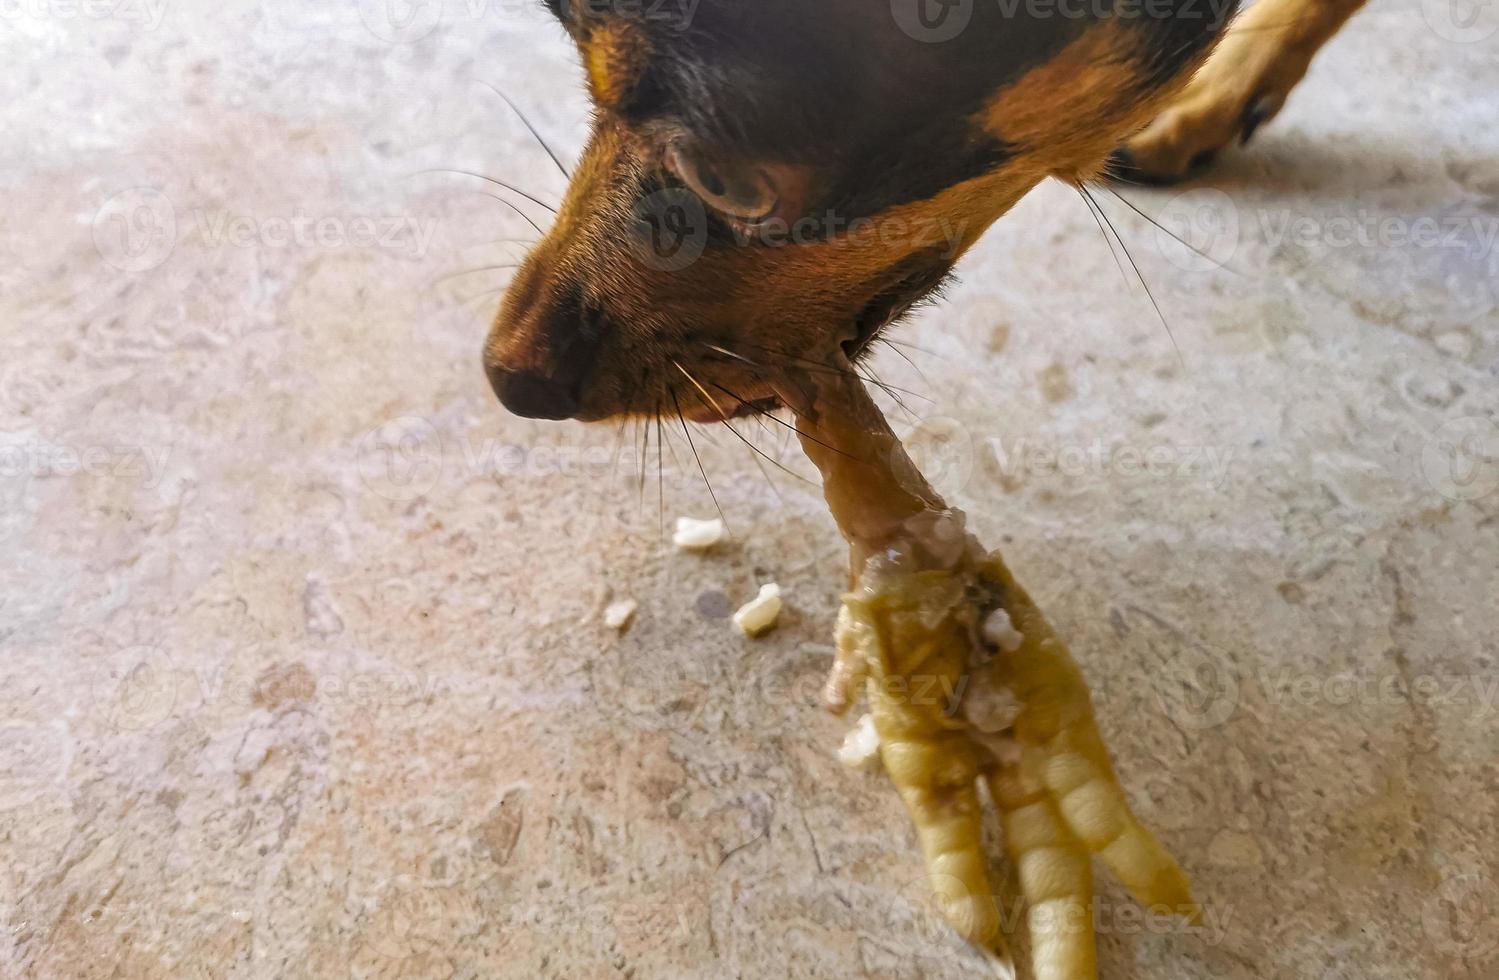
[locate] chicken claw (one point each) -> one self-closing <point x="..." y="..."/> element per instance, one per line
<point x="954" y="702"/>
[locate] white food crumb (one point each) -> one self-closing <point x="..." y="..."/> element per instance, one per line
<point x="759" y="615"/>
<point x="619" y="614"/>
<point x="695" y="535"/>
<point x="1000" y="631"/>
<point x="991" y="709"/>
<point x="861" y="746"/>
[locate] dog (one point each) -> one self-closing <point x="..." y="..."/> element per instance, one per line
<point x="771" y="182"/>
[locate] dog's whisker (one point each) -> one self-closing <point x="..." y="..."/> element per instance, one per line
<point x="827" y="367"/>
<point x="906" y="357"/>
<point x="660" y="478"/>
<point x="731" y="354"/>
<point x="493" y="180"/>
<point x="709" y="401"/>
<point x="918" y="349"/>
<point x="688" y="433"/>
<point x="1092" y="207"/>
<point x="645" y="445"/>
<point x="471" y="272"/>
<point x="486" y="294"/>
<point x="889" y="390"/>
<point x="793" y="429"/>
<point x="527" y="123"/>
<point x="1183" y="242"/>
<point x="755" y="453"/>
<point x="619" y="443"/>
<point x="1145" y="285"/>
<point x="512" y="206"/>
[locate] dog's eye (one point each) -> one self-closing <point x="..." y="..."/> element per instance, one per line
<point x="737" y="191"/>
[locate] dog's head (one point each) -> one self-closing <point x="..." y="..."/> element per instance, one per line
<point x="770" y="179"/>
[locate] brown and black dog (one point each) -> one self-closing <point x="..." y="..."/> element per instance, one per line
<point x="770" y="180"/>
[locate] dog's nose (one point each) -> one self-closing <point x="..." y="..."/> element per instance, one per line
<point x="533" y="395"/>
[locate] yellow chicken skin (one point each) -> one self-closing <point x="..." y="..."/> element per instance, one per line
<point x="932" y="612"/>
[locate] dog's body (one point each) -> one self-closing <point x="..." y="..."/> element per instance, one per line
<point x="770" y="179"/>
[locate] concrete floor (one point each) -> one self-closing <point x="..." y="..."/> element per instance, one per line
<point x="302" y="664"/>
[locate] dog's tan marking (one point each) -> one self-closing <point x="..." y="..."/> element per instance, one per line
<point x="1074" y="109"/>
<point x="615" y="54"/>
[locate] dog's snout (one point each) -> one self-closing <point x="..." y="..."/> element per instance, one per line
<point x="533" y="395"/>
<point x="543" y="347"/>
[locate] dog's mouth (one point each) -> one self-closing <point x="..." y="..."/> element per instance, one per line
<point x="916" y="280"/>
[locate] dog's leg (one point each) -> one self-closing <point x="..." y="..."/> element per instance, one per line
<point x="1245" y="82"/>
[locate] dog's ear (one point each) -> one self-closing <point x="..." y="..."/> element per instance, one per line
<point x="616" y="51"/>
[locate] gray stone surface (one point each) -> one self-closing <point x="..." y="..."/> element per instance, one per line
<point x="302" y="664"/>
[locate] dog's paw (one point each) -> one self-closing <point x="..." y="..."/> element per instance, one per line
<point x="1242" y="86"/>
